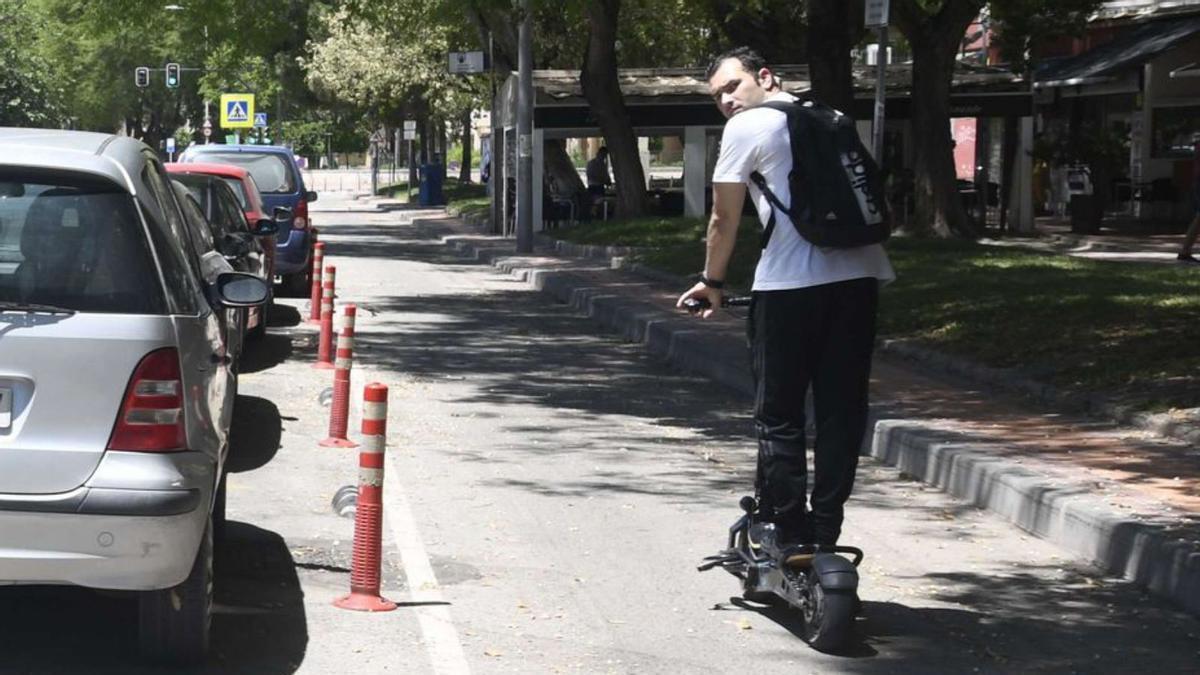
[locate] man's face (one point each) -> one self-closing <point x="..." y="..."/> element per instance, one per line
<point x="735" y="89"/>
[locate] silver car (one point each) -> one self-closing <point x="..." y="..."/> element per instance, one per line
<point x="116" y="389"/>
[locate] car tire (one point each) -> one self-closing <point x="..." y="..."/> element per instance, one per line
<point x="174" y="623"/>
<point x="297" y="285"/>
<point x="218" y="511"/>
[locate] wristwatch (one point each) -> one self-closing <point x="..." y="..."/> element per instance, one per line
<point x="712" y="283"/>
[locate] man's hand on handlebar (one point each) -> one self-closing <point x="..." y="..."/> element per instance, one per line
<point x="700" y="299"/>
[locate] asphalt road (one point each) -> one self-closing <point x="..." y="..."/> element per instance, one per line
<point x="550" y="491"/>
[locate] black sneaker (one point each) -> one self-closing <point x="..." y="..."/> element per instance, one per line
<point x="1187" y="258"/>
<point x="791" y="551"/>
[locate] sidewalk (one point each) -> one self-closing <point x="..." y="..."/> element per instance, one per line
<point x="1122" y="497"/>
<point x="1113" y="243"/>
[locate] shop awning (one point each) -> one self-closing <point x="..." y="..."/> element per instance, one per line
<point x="1108" y="60"/>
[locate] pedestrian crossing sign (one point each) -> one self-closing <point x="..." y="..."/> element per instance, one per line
<point x="237" y="111"/>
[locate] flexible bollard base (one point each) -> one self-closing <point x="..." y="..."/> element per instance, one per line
<point x="332" y="442"/>
<point x="363" y="602"/>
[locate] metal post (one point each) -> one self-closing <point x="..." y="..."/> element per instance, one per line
<point x="880" y="95"/>
<point x="525" y="132"/>
<point x="374" y="168"/>
<point x="495" y="171"/>
<point x="412" y="167"/>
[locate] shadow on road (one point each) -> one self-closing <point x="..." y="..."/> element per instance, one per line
<point x="253" y="434"/>
<point x="283" y="316"/>
<point x="259" y="624"/>
<point x="265" y="353"/>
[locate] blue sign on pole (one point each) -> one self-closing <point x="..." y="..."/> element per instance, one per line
<point x="260" y="119"/>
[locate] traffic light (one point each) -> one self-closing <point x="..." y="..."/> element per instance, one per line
<point x="141" y="76"/>
<point x="172" y="75"/>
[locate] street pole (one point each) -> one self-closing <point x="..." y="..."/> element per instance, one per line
<point x="495" y="170"/>
<point x="412" y="167"/>
<point x="875" y="15"/>
<point x="525" y="132"/>
<point x="880" y="95"/>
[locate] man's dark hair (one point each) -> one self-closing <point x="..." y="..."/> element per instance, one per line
<point x="603" y="150"/>
<point x="749" y="59"/>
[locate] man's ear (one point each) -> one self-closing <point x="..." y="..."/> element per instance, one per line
<point x="767" y="79"/>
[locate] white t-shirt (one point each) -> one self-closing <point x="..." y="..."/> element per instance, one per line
<point x="757" y="140"/>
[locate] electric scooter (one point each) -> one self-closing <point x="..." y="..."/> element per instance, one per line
<point x="815" y="580"/>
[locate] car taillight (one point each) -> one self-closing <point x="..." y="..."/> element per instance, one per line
<point x="151" y="416"/>
<point x="301" y="214"/>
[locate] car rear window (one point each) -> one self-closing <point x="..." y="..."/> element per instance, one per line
<point x="74" y="242"/>
<point x="272" y="173"/>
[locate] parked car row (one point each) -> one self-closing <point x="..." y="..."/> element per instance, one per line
<point x="125" y="290"/>
<point x="281" y="184"/>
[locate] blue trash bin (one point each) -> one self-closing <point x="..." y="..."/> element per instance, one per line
<point x="430" y="193"/>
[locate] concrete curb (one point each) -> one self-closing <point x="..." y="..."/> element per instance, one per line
<point x="1046" y="503"/>
<point x="1064" y="512"/>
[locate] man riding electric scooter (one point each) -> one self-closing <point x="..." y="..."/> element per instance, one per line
<point x="811" y="317"/>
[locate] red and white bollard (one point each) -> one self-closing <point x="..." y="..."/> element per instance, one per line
<point x="339" y="412"/>
<point x="314" y="301"/>
<point x="325" y="341"/>
<point x="368" y="517"/>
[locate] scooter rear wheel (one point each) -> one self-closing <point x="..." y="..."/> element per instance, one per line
<point x="828" y="617"/>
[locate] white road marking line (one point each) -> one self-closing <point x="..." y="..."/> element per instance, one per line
<point x="441" y="639"/>
<point x="437" y="627"/>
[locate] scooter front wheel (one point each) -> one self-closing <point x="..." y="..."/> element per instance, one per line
<point x="828" y="616"/>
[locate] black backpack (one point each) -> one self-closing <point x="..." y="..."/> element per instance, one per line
<point x="837" y="191"/>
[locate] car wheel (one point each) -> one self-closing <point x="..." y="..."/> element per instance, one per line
<point x="297" y="285"/>
<point x="173" y="623"/>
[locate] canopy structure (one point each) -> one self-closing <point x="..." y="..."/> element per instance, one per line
<point x="676" y="102"/>
<point x="1111" y="59"/>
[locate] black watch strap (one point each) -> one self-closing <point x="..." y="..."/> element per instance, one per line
<point x="712" y="283"/>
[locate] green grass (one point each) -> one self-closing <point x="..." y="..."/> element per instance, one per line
<point x="1126" y="329"/>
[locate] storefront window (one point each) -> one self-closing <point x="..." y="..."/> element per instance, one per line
<point x="1173" y="130"/>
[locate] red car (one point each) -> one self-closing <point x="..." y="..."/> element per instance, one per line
<point x="247" y="193"/>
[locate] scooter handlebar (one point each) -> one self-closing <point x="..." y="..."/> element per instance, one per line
<point x="697" y="305"/>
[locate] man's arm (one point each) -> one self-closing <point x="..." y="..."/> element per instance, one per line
<point x="722" y="235"/>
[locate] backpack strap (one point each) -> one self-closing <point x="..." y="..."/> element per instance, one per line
<point x="761" y="183"/>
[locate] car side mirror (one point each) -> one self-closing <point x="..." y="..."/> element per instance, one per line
<point x="310" y="196"/>
<point x="281" y="214"/>
<point x="236" y="289"/>
<point x="265" y="227"/>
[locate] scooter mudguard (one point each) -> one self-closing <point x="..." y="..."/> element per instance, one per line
<point x="835" y="572"/>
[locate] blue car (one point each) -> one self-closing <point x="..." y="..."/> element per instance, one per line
<point x="281" y="183"/>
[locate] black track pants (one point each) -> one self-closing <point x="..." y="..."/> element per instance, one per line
<point x="823" y="336"/>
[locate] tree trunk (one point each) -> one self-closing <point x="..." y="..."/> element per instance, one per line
<point x="831" y="35"/>
<point x="464" y="174"/>
<point x="935" y="40"/>
<point x="603" y="92"/>
<point x="561" y="169"/>
<point x="558" y="165"/>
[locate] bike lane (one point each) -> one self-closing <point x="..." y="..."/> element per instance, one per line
<point x="564" y="486"/>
